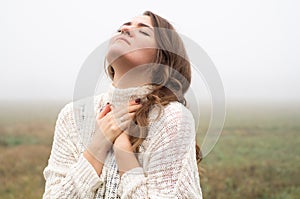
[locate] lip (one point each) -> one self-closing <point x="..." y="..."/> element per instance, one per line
<point x="123" y="39"/>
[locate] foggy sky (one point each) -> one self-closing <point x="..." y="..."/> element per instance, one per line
<point x="254" y="44"/>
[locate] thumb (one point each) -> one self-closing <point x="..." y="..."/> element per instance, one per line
<point x="105" y="110"/>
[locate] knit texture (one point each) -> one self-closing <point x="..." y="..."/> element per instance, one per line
<point x="168" y="167"/>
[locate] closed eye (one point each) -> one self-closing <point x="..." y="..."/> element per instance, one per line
<point x="145" y="33"/>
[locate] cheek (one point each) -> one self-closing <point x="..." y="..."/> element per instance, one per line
<point x="142" y="42"/>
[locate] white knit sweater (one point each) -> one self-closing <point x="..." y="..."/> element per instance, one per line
<point x="167" y="158"/>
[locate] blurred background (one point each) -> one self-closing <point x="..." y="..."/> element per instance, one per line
<point x="254" y="45"/>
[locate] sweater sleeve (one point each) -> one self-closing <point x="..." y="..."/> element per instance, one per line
<point x="68" y="174"/>
<point x="171" y="170"/>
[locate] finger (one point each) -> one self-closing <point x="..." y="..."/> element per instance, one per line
<point x="134" y="108"/>
<point x="124" y="125"/>
<point x="136" y="101"/>
<point x="134" y="130"/>
<point x="133" y="104"/>
<point x="126" y="118"/>
<point x="105" y="110"/>
<point x="131" y="115"/>
<point x="119" y="112"/>
<point x="126" y="110"/>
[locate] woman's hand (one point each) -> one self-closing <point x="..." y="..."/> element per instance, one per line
<point x="112" y="121"/>
<point x="122" y="141"/>
<point x="123" y="150"/>
<point x="124" y="154"/>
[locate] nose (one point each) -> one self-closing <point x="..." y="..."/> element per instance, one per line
<point x="127" y="30"/>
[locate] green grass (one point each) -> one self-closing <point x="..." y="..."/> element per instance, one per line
<point x="256" y="156"/>
<point x="265" y="166"/>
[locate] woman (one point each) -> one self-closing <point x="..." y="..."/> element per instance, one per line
<point x="142" y="142"/>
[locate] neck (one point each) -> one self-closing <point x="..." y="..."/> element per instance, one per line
<point x="118" y="96"/>
<point x="137" y="76"/>
<point x="127" y="84"/>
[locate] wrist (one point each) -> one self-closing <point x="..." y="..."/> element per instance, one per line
<point x="123" y="148"/>
<point x="126" y="160"/>
<point x="97" y="165"/>
<point x="123" y="143"/>
<point x="99" y="149"/>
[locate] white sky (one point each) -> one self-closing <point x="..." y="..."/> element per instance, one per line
<point x="254" y="44"/>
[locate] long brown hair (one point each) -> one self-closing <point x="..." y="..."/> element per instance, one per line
<point x="169" y="83"/>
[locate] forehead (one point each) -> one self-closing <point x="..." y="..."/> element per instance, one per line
<point x="141" y="19"/>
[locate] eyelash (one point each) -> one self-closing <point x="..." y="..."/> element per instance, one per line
<point x="144" y="33"/>
<point x="140" y="32"/>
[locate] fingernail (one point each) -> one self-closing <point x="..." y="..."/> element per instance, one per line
<point x="138" y="100"/>
<point x="100" y="110"/>
<point x="107" y="103"/>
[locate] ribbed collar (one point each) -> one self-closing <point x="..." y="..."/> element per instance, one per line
<point x="119" y="96"/>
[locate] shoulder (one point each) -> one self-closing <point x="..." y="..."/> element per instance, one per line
<point x="76" y="121"/>
<point x="177" y="110"/>
<point x="174" y="111"/>
<point x="65" y="113"/>
<point x="173" y="129"/>
<point x="86" y="105"/>
<point x="75" y="112"/>
<point x="174" y="117"/>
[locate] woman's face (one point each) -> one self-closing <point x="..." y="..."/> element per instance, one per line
<point x="133" y="45"/>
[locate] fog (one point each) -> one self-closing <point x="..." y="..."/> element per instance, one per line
<point x="254" y="44"/>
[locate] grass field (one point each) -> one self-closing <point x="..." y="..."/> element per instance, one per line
<point x="257" y="155"/>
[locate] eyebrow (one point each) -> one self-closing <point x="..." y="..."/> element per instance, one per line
<point x="139" y="25"/>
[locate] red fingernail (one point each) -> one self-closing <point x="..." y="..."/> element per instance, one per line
<point x="138" y="100"/>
